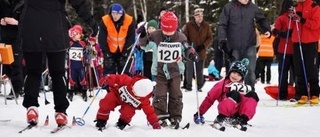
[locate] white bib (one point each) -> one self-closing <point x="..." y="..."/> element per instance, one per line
<point x="127" y="97"/>
<point x="169" y="52"/>
<point x="76" y="53"/>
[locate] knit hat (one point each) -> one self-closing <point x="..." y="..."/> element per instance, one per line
<point x="152" y="23"/>
<point x="117" y="8"/>
<point x="240" y="67"/>
<point x="142" y="88"/>
<point x="198" y="11"/>
<point x="75" y="30"/>
<point x="92" y="38"/>
<point x="212" y="62"/>
<point x="169" y="22"/>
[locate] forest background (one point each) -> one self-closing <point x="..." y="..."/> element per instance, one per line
<point x="149" y="9"/>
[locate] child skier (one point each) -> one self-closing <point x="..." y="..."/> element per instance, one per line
<point x="213" y="73"/>
<point x="76" y="62"/>
<point x="236" y="100"/>
<point x="168" y="45"/>
<point x="131" y="93"/>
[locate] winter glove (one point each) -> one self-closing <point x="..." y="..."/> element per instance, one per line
<point x="142" y="31"/>
<point x="222" y="45"/>
<point x="200" y="48"/>
<point x="191" y="54"/>
<point x="101" y="124"/>
<point x="121" y="124"/>
<point x="156" y="125"/>
<point x="297" y="17"/>
<point x="125" y="53"/>
<point x="240" y="87"/>
<point x="197" y="119"/>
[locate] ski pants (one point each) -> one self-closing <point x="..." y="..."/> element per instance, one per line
<point x="56" y="62"/>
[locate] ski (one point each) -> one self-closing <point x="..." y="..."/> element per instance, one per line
<point x="5" y="120"/>
<point x="30" y="126"/>
<point x="101" y="128"/>
<point x="218" y="127"/>
<point x="59" y="128"/>
<point x="240" y="127"/>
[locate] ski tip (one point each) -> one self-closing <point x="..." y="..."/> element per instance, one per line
<point x="186" y="126"/>
<point x="222" y="128"/>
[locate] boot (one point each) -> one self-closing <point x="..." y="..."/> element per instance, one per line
<point x="303" y="100"/>
<point x="175" y="123"/>
<point x="314" y="100"/>
<point x="32" y="115"/>
<point x="61" y="119"/>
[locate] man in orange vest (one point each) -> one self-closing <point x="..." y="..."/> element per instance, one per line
<point x="116" y="38"/>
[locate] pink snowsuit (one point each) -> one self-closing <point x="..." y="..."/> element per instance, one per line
<point x="227" y="106"/>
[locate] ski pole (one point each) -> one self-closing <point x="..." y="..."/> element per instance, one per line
<point x="80" y="121"/>
<point x="283" y="59"/>
<point x="302" y="61"/>
<point x="46" y="102"/>
<point x="131" y="52"/>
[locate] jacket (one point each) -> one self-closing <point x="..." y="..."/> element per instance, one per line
<point x="103" y="35"/>
<point x="281" y="24"/>
<point x="127" y="110"/>
<point x="309" y="30"/>
<point x="10" y="8"/>
<point x="44" y="26"/>
<point x="199" y="35"/>
<point x="169" y="70"/>
<point x="116" y="38"/>
<point x="237" y="26"/>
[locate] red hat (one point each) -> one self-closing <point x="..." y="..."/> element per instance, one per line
<point x="76" y="29"/>
<point x="92" y="38"/>
<point x="169" y="22"/>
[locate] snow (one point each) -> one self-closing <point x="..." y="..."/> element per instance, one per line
<point x="270" y="120"/>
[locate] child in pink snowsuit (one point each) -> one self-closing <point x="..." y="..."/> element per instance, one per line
<point x="236" y="100"/>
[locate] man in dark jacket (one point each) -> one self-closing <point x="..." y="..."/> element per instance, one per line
<point x="237" y="34"/>
<point x="44" y="29"/>
<point x="199" y="34"/>
<point x="10" y="11"/>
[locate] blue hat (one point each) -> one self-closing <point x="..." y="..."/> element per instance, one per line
<point x="117" y="8"/>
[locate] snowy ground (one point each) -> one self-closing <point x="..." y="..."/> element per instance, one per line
<point x="269" y="121"/>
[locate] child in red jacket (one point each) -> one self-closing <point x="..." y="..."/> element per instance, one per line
<point x="236" y="100"/>
<point x="131" y="93"/>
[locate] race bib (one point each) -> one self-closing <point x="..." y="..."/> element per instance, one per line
<point x="127" y="97"/>
<point x="169" y="52"/>
<point x="76" y="53"/>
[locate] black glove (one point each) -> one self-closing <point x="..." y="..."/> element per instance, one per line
<point x="101" y="124"/>
<point x="200" y="48"/>
<point x="125" y="53"/>
<point x="121" y="124"/>
<point x="223" y="46"/>
<point x="142" y="31"/>
<point x="191" y="54"/>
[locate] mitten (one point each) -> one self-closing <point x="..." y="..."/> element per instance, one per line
<point x="191" y="54"/>
<point x="197" y="119"/>
<point x="142" y="31"/>
<point x="102" y="81"/>
<point x="200" y="48"/>
<point x="222" y="45"/>
<point x="156" y="125"/>
<point x="100" y="123"/>
<point x="121" y="124"/>
<point x="125" y="53"/>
